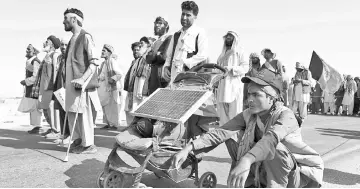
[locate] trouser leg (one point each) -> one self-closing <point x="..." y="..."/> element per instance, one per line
<point x="35" y="118"/>
<point x="326" y="107"/>
<point x="65" y="131"/>
<point x="282" y="172"/>
<point x="351" y="107"/>
<point x="303" y="109"/>
<point x="295" y="106"/>
<point x="129" y="117"/>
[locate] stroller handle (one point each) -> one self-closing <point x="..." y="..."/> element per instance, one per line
<point x="207" y="65"/>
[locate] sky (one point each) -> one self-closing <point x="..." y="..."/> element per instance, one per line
<point x="291" y="29"/>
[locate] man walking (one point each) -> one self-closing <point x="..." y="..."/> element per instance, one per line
<point x="80" y="73"/>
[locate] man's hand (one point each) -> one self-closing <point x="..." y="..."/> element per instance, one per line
<point x="23" y="82"/>
<point x="181" y="156"/>
<point x="239" y="174"/>
<point x="139" y="96"/>
<point x="111" y="81"/>
<point x="78" y="83"/>
<point x="167" y="73"/>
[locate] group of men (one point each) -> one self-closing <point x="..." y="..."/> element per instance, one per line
<point x="345" y="101"/>
<point x="70" y="87"/>
<point x="262" y="135"/>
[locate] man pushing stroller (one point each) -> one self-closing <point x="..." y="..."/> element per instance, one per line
<point x="264" y="141"/>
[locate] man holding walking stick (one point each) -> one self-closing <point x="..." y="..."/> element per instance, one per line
<point x="81" y="83"/>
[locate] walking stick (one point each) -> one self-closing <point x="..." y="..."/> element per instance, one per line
<point x="66" y="159"/>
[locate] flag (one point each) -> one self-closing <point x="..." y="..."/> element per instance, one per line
<point x="329" y="79"/>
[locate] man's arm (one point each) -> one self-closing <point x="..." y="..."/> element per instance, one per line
<point x="265" y="148"/>
<point x="218" y="136"/>
<point x="202" y="53"/>
<point x="212" y="138"/>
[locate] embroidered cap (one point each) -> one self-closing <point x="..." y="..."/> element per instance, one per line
<point x="265" y="77"/>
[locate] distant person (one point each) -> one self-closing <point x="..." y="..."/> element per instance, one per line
<point x="110" y="87"/>
<point x="130" y="80"/>
<point x="291" y="93"/>
<point x="30" y="103"/>
<point x="271" y="63"/>
<point x="357" y="97"/>
<point x="348" y="101"/>
<point x="316" y="98"/>
<point x="286" y="83"/>
<point x="189" y="46"/>
<point x="230" y="89"/>
<point x="81" y="66"/>
<point x="157" y="55"/>
<point x="302" y="89"/>
<point x="339" y="96"/>
<point x="254" y="66"/>
<point x="329" y="103"/>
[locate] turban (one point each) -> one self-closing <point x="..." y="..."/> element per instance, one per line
<point x="163" y="19"/>
<point x="109" y="48"/>
<point x="65" y="41"/>
<point x="56" y="42"/>
<point x="254" y="55"/>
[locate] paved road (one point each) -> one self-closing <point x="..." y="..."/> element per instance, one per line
<point x="32" y="161"/>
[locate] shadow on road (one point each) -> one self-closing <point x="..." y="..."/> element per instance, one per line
<point x="23" y="140"/>
<point x="341" y="178"/>
<point x="348" y="134"/>
<point x="85" y="174"/>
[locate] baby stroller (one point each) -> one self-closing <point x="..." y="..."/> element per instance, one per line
<point x="160" y="130"/>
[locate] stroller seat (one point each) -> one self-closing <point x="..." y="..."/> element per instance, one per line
<point x="132" y="140"/>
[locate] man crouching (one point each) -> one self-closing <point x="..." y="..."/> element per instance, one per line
<point x="264" y="141"/>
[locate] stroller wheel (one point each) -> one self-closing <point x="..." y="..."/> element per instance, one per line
<point x="207" y="180"/>
<point x="114" y="180"/>
<point x="100" y="180"/>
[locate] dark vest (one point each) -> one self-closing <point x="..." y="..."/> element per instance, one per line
<point x="80" y="58"/>
<point x="28" y="89"/>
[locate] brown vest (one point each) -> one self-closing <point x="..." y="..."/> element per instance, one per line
<point x="80" y="58"/>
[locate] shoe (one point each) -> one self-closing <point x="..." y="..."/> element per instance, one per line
<point x="35" y="130"/>
<point x="76" y="143"/>
<point x="106" y="127"/>
<point x="85" y="150"/>
<point x="46" y="132"/>
<point x="53" y="135"/>
<point x="112" y="128"/>
<point x="60" y="140"/>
